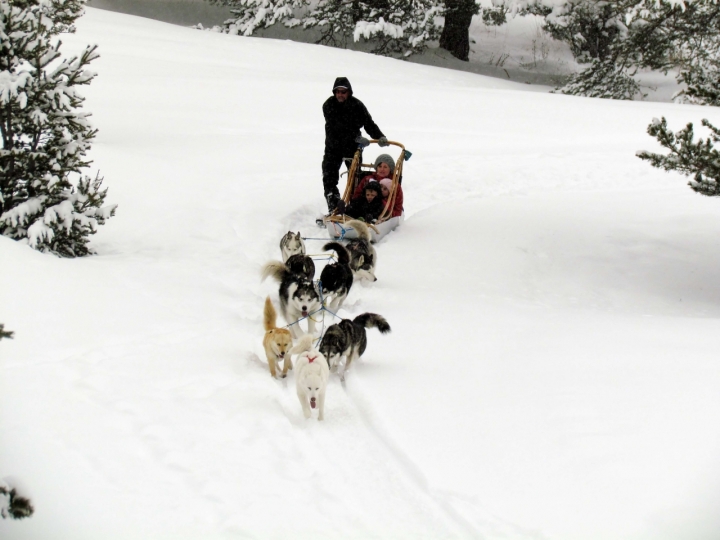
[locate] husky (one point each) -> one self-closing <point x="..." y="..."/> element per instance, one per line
<point x="337" y="278"/>
<point x="349" y="339"/>
<point x="291" y="244"/>
<point x="311" y="376"/>
<point x="301" y="264"/>
<point x="363" y="256"/>
<point x="298" y="296"/>
<point x="277" y="341"/>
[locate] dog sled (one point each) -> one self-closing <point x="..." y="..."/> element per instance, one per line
<point x="336" y="223"/>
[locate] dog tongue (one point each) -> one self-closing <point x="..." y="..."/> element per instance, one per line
<point x="312" y="402"/>
<point x="304" y="313"/>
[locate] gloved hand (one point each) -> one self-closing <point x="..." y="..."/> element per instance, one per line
<point x="340" y="207"/>
<point x="362" y="141"/>
<point x="382" y="141"/>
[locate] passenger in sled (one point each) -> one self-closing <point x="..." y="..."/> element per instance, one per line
<point x="384" y="169"/>
<point x="359" y="203"/>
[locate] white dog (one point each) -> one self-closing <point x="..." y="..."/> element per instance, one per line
<point x="291" y="244"/>
<point x="311" y="376"/>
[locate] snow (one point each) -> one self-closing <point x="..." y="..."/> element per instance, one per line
<point x="552" y="370"/>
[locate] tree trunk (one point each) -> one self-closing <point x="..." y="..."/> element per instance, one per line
<point x="455" y="35"/>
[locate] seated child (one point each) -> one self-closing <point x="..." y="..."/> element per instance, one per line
<point x="369" y="205"/>
<point x="384" y="168"/>
<point x="397" y="209"/>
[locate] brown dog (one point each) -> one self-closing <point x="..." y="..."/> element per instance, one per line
<point x="277" y="341"/>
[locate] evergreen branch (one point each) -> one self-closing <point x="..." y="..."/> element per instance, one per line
<point x="7" y="334"/>
<point x="17" y="507"/>
<point x="698" y="159"/>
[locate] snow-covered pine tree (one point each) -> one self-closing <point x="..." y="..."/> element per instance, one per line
<point x="455" y="35"/>
<point x="12" y="505"/>
<point x="5" y="333"/>
<point x="45" y="137"/>
<point x="699" y="159"/>
<point x="701" y="73"/>
<point x="618" y="37"/>
<point x="603" y="79"/>
<point x="394" y="27"/>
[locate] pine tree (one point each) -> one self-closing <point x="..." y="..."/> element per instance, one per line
<point x="4" y="333"/>
<point x="455" y="36"/>
<point x="393" y="27"/>
<point x="603" y="79"/>
<point x="616" y="38"/>
<point x="699" y="159"/>
<point x="12" y="505"/>
<point x="701" y="76"/>
<point x="45" y="138"/>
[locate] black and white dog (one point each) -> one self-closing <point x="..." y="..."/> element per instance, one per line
<point x="336" y="278"/>
<point x="291" y="244"/>
<point x="363" y="256"/>
<point x="298" y="296"/>
<point x="349" y="338"/>
<point x="301" y="264"/>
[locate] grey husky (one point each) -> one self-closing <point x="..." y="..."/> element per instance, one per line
<point x="298" y="296"/>
<point x="291" y="244"/>
<point x="363" y="257"/>
<point x="349" y="339"/>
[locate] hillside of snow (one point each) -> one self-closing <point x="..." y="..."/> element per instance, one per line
<point x="552" y="371"/>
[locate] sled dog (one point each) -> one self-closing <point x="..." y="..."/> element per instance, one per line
<point x="301" y="264"/>
<point x="363" y="256"/>
<point x="349" y="338"/>
<point x="336" y="278"/>
<point x="298" y="297"/>
<point x="277" y="341"/>
<point x="291" y="244"/>
<point x="311" y="376"/>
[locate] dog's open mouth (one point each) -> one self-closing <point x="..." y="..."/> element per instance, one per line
<point x="304" y="313"/>
<point x="312" y="402"/>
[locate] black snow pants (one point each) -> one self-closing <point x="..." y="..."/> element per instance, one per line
<point x="332" y="160"/>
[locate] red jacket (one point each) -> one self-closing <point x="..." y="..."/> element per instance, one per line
<point x="397" y="207"/>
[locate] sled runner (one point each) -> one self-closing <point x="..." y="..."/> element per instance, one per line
<point x="336" y="223"/>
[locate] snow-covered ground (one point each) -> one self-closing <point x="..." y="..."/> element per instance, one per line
<point x="552" y="372"/>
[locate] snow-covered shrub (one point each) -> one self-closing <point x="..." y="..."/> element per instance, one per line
<point x="45" y="137"/>
<point x="701" y="76"/>
<point x="602" y="80"/>
<point x="699" y="159"/>
<point x="12" y="505"/>
<point x="630" y="35"/>
<point x="397" y="28"/>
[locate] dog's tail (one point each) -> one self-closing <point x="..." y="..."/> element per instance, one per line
<point x="305" y="344"/>
<point x="370" y="320"/>
<point x="361" y="228"/>
<point x="269" y="315"/>
<point x="276" y="269"/>
<point x="342" y="252"/>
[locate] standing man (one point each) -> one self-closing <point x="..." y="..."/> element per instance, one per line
<point x="344" y="116"/>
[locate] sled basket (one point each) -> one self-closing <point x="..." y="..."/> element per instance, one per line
<point x="336" y="223"/>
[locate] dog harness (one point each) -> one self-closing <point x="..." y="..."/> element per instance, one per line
<point x="310" y="359"/>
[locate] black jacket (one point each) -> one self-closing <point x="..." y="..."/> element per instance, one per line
<point x="360" y="208"/>
<point x="344" y="120"/>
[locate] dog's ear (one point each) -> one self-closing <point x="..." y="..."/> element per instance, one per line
<point x="361" y="260"/>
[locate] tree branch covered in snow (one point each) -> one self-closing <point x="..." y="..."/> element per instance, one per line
<point x="6" y="334"/>
<point x="12" y="505"/>
<point x="699" y="159"/>
<point x="617" y="37"/>
<point x="45" y="137"/>
<point x="394" y="27"/>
